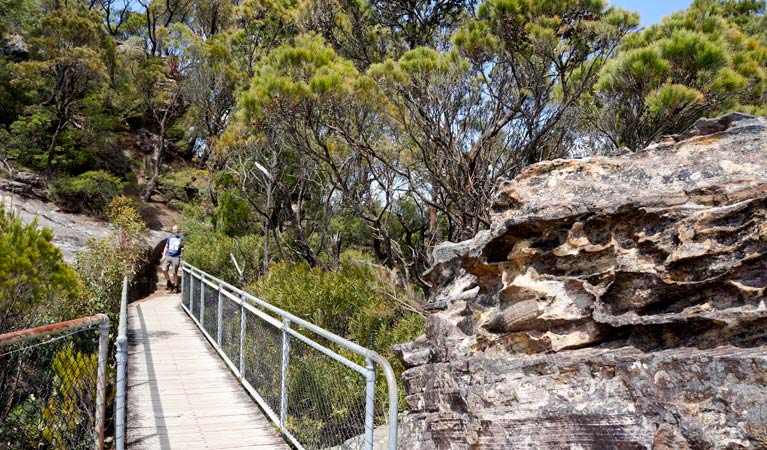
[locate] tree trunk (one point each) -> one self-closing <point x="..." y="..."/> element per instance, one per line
<point x="265" y="266"/>
<point x="303" y="246"/>
<point x="156" y="163"/>
<point x="52" y="145"/>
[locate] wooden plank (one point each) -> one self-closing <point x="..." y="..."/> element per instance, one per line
<point x="180" y="393"/>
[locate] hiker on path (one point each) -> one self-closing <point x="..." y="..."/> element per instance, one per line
<point x="171" y="259"/>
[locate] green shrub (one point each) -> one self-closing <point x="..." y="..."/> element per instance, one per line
<point x="354" y="301"/>
<point x="234" y="216"/>
<point x="181" y="186"/>
<point x="27" y="139"/>
<point x="209" y="249"/>
<point x="103" y="263"/>
<point x="358" y="301"/>
<point x="36" y="286"/>
<point x="89" y="192"/>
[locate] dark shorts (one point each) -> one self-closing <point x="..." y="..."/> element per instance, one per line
<point x="171" y="263"/>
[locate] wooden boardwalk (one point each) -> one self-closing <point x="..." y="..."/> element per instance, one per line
<point x="180" y="394"/>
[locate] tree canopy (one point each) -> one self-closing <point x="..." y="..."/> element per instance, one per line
<point x="309" y="127"/>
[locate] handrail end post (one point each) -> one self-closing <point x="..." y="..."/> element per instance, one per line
<point x="101" y="380"/>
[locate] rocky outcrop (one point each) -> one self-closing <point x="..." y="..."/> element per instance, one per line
<point x="615" y="302"/>
<point x="25" y="184"/>
<point x="70" y="231"/>
<point x="14" y="47"/>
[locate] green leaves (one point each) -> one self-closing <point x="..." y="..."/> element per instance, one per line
<point x="349" y="301"/>
<point x="698" y="62"/>
<point x="307" y="70"/>
<point x="91" y="191"/>
<point x="673" y="98"/>
<point x="35" y="283"/>
<point x="104" y="262"/>
<point x="634" y="69"/>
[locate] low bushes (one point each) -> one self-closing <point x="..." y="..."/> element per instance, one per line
<point x="89" y="192"/>
<point x="104" y="262"/>
<point x="180" y="187"/>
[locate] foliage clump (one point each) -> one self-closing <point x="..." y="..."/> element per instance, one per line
<point x="703" y="61"/>
<point x="89" y="192"/>
<point x="359" y="300"/>
<point x="104" y="262"/>
<point x="36" y="285"/>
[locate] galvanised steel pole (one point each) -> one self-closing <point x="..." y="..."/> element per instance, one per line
<point x="101" y="386"/>
<point x="192" y="280"/>
<point x="202" y="302"/>
<point x="391" y="385"/>
<point x="370" y="395"/>
<point x="284" y="374"/>
<point x="243" y="324"/>
<point x="121" y="355"/>
<point x="219" y="320"/>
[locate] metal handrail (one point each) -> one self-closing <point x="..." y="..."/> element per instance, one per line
<point x="21" y="336"/>
<point x="248" y="302"/>
<point x="121" y="357"/>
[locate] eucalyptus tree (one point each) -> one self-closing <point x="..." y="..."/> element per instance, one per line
<point x="115" y="14"/>
<point x="695" y="63"/>
<point x="367" y="32"/>
<point x="158" y="17"/>
<point x="316" y="117"/>
<point x="156" y="90"/>
<point x="208" y="88"/>
<point x="210" y="17"/>
<point x="500" y="99"/>
<point x="259" y="27"/>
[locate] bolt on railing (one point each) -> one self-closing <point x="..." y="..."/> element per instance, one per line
<point x="317" y="387"/>
<point x="53" y="385"/>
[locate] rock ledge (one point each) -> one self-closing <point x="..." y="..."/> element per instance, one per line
<point x="615" y="302"/>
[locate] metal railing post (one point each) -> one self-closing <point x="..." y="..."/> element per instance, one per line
<point x="243" y="323"/>
<point x="121" y="355"/>
<point x="192" y="280"/>
<point x="219" y="321"/>
<point x="284" y="374"/>
<point x="370" y="395"/>
<point x="101" y="387"/>
<point x="202" y="301"/>
<point x="391" y="385"/>
<point x="184" y="286"/>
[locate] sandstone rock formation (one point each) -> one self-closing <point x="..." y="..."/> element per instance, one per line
<point x="615" y="303"/>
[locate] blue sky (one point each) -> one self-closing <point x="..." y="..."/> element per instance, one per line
<point x="651" y="11"/>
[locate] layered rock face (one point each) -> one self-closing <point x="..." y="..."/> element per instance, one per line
<point x="615" y="303"/>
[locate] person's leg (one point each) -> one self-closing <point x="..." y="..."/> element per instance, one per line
<point x="174" y="263"/>
<point x="164" y="266"/>
<point x="176" y="286"/>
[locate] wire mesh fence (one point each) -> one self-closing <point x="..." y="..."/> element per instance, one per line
<point x="326" y="400"/>
<point x="231" y="325"/>
<point x="52" y="387"/>
<point x="321" y="390"/>
<point x="209" y="312"/>
<point x="262" y="351"/>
